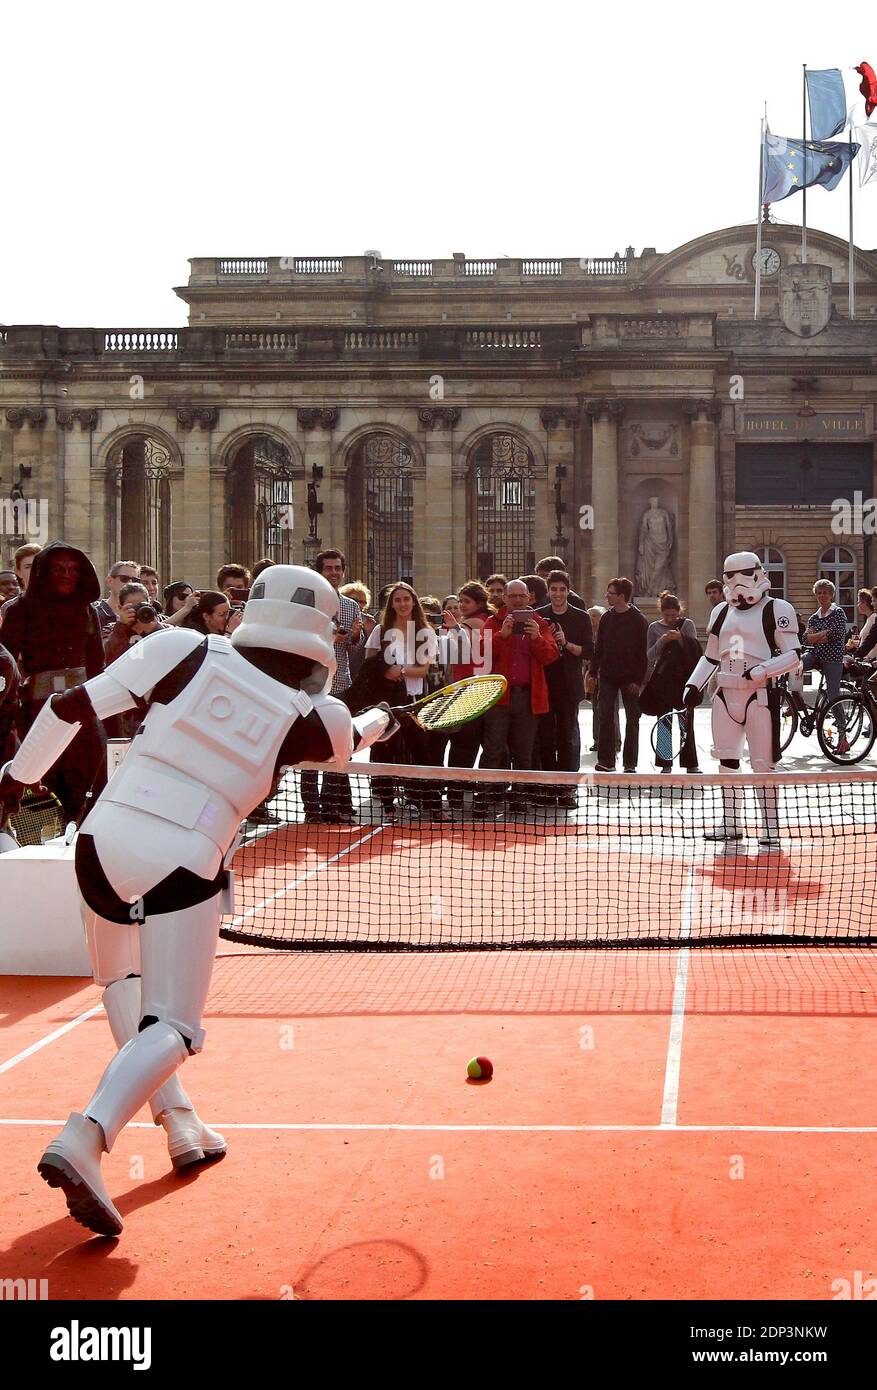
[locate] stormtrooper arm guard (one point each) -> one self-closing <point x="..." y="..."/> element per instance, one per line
<point x="116" y="691"/>
<point x="775" y="666"/>
<point x="694" y="686"/>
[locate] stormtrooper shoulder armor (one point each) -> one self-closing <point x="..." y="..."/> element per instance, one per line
<point x="142" y="666"/>
<point x="785" y="618"/>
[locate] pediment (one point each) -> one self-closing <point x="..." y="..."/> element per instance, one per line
<point x="723" y="259"/>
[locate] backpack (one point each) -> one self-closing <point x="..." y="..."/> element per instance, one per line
<point x="662" y="691"/>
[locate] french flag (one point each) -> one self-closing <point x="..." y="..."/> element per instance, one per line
<point x="840" y="97"/>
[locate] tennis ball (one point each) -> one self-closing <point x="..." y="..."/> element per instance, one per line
<point x="480" y="1069"/>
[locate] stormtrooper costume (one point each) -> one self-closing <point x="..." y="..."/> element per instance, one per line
<point x="222" y="720"/>
<point x="752" y="639"/>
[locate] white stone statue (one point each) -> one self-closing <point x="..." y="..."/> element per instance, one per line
<point x="657" y="536"/>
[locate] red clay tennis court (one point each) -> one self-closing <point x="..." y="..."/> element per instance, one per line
<point x="677" y="1123"/>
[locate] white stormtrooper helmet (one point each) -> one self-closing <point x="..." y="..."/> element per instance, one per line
<point x="293" y="609"/>
<point x="745" y="579"/>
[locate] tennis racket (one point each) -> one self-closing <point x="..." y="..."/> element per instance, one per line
<point x="669" y="734"/>
<point x="457" y="704"/>
<point x="40" y="817"/>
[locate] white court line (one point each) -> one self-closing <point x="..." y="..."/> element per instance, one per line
<point x="311" y="873"/>
<point x="306" y="1127"/>
<point x="44" y="1042"/>
<point x="673" y="1064"/>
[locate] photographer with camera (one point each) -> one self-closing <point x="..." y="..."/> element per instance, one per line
<point x="213" y="615"/>
<point x="137" y="619"/>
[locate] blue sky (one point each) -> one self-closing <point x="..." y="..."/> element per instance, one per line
<point x="138" y="136"/>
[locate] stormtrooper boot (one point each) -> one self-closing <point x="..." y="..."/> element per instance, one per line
<point x="189" y="1139"/>
<point x="72" y="1162"/>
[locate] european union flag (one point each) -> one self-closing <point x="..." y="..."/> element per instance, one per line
<point x="793" y="164"/>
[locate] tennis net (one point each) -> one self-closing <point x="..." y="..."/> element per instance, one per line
<point x="441" y="859"/>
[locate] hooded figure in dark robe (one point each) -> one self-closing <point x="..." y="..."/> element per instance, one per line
<point x="53" y="632"/>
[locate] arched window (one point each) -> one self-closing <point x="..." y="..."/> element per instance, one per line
<point x="139" y="504"/>
<point x="502" y="506"/>
<point x="838" y="564"/>
<point x="381" y="510"/>
<point x="774" y="562"/>
<point x="259" y="497"/>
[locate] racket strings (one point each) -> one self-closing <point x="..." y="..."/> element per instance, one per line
<point x="463" y="703"/>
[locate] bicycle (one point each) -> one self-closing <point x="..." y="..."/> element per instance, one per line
<point x="848" y="727"/>
<point x="796" y="715"/>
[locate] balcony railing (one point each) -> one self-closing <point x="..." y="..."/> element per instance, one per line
<point x="504" y="339"/>
<point x="261" y="342"/>
<point x="413" y="268"/>
<point x="244" y="266"/>
<point x="317" y="265"/>
<point x="605" y="265"/>
<point x="278" y="269"/>
<point x="382" y="339"/>
<point x="151" y="340"/>
<point x="86" y="347"/>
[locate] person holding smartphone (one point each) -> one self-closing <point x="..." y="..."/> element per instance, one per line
<point x="559" y="736"/>
<point x="522" y="645"/>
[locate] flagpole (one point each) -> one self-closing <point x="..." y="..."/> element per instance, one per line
<point x="758" y="220"/>
<point x="804" y="190"/>
<point x="851" y="273"/>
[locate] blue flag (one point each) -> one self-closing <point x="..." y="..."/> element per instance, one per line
<point x="793" y="164"/>
<point x="827" y="96"/>
<point x="840" y="97"/>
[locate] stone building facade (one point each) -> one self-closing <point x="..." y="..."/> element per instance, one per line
<point x="443" y="419"/>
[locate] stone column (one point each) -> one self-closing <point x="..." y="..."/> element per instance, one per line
<point x="82" y="523"/>
<point x="433" y="504"/>
<point x="559" y="425"/>
<point x="315" y="426"/>
<point x="191" y="556"/>
<point x="703" y="518"/>
<point x="605" y="415"/>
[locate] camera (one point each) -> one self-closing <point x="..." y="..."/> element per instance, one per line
<point x="145" y="613"/>
<point x="520" y="617"/>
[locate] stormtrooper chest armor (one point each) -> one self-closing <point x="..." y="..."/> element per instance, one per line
<point x="742" y="640"/>
<point x="206" y="758"/>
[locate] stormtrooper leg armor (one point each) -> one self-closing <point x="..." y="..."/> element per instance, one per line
<point x="177" y="952"/>
<point x="115" y="956"/>
<point x="741" y="716"/>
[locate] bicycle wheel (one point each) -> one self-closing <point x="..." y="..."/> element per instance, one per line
<point x="788" y="721"/>
<point x="847" y="729"/>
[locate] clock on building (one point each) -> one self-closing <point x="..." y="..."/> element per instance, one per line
<point x="770" y="260"/>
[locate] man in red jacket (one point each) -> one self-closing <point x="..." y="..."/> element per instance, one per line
<point x="521" y="646"/>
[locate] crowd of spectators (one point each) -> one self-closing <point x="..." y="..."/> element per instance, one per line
<point x="57" y="628"/>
